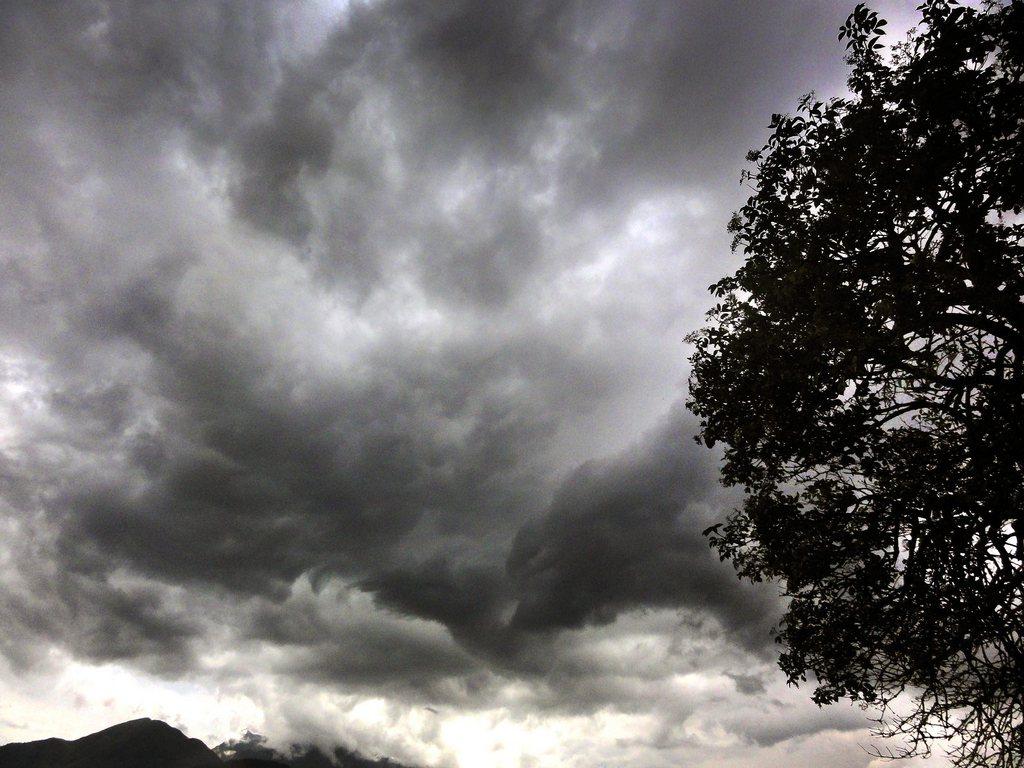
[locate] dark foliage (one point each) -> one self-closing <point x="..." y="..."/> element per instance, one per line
<point x="864" y="370"/>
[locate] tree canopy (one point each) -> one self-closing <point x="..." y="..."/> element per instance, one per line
<point x="864" y="371"/>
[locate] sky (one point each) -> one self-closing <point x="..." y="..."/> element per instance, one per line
<point x="342" y="376"/>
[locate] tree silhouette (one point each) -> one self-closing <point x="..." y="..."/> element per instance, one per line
<point x="864" y="370"/>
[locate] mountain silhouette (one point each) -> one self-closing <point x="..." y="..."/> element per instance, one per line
<point x="142" y="743"/>
<point x="146" y="743"/>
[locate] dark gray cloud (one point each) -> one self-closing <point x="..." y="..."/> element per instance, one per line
<point x="767" y="732"/>
<point x="469" y="600"/>
<point x="340" y="339"/>
<point x="626" y="533"/>
<point x="751" y="685"/>
<point x="275" y="155"/>
<point x="97" y="621"/>
<point x="336" y="637"/>
<point x="98" y="616"/>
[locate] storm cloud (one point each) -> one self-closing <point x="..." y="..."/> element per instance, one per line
<point x="342" y="356"/>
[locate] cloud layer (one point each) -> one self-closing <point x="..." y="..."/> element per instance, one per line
<point x="341" y="371"/>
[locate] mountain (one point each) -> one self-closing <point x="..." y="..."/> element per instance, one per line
<point x="146" y="743"/>
<point x="142" y="743"/>
<point x="251" y="751"/>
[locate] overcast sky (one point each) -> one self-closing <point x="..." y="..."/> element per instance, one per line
<point x="342" y="376"/>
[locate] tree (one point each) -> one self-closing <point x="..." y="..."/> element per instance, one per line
<point x="864" y="371"/>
